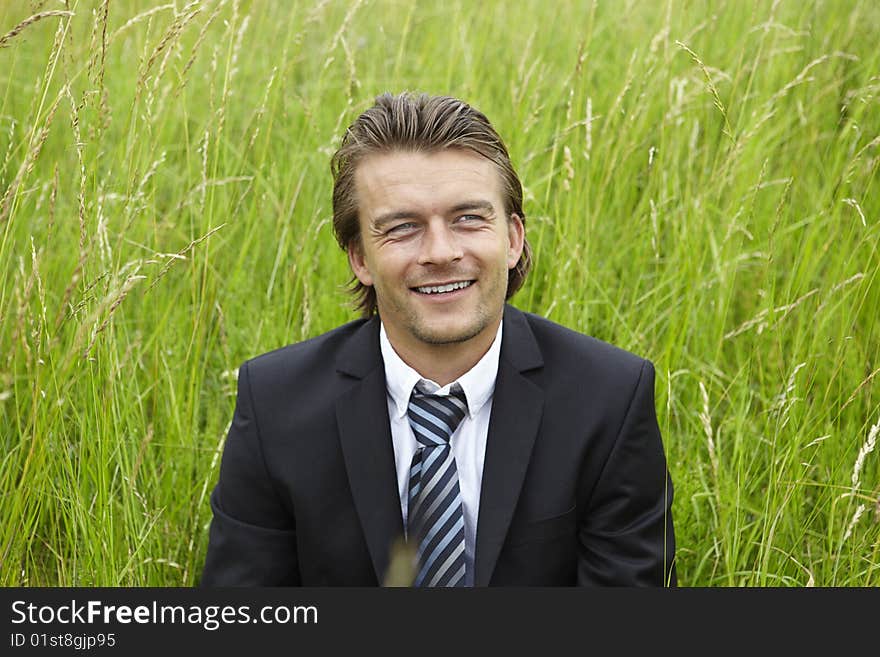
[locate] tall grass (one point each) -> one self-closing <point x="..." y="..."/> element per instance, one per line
<point x="701" y="183"/>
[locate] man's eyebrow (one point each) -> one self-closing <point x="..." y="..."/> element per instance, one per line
<point x="486" y="206"/>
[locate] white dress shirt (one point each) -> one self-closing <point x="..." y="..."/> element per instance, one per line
<point x="468" y="443"/>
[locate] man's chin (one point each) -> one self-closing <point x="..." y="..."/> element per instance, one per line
<point x="446" y="334"/>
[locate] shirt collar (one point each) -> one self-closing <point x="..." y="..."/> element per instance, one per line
<point x="478" y="383"/>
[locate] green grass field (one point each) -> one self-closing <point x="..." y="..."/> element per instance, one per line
<point x="701" y="188"/>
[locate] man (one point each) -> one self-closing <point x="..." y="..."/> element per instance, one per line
<point x="507" y="449"/>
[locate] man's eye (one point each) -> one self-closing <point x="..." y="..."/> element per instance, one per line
<point x="401" y="228"/>
<point x="469" y="218"/>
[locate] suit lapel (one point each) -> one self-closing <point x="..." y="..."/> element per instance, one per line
<point x="365" y="437"/>
<point x="517" y="405"/>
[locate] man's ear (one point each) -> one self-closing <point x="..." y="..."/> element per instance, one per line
<point x="358" y="263"/>
<point x="516" y="233"/>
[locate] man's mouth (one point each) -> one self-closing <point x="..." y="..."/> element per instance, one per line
<point x="441" y="289"/>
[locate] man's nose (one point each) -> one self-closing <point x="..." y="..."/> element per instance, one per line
<point x="440" y="245"/>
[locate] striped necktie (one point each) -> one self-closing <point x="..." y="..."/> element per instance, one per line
<point x="435" y="518"/>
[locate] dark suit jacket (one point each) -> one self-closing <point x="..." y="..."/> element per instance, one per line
<point x="575" y="486"/>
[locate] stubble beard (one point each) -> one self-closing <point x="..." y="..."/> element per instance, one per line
<point x="479" y="320"/>
<point x="440" y="337"/>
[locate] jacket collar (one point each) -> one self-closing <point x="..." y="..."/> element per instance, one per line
<point x="361" y="353"/>
<point x="365" y="437"/>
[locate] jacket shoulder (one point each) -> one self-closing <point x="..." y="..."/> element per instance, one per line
<point x="294" y="359"/>
<point x="563" y="347"/>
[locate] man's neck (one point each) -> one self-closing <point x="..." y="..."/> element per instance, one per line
<point x="444" y="363"/>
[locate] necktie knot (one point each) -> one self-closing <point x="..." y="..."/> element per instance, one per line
<point x="434" y="418"/>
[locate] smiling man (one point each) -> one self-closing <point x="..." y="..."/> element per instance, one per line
<point x="436" y="245"/>
<point x="505" y="449"/>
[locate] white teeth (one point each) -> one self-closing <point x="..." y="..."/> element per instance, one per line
<point x="436" y="289"/>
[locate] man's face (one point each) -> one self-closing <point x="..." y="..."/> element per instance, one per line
<point x="436" y="244"/>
